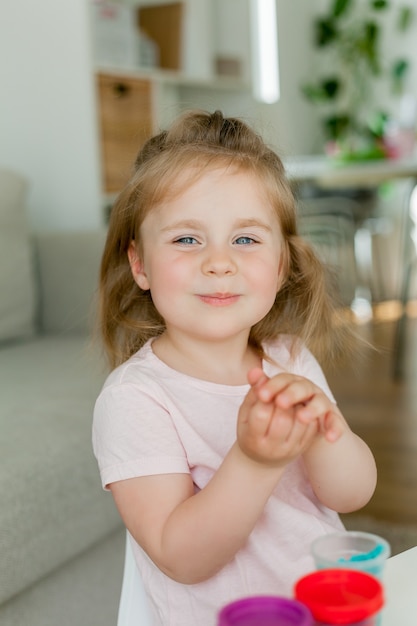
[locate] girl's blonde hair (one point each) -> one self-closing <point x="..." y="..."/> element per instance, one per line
<point x="166" y="164"/>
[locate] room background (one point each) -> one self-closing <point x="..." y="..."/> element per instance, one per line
<point x="49" y="122"/>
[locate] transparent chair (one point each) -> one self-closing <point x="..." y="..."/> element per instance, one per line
<point x="133" y="607"/>
<point x="328" y="223"/>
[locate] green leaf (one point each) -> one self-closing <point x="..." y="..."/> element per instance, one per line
<point x="380" y="5"/>
<point x="331" y="87"/>
<point x="335" y="126"/>
<point x="340" y="7"/>
<point x="369" y="45"/>
<point x="372" y="32"/>
<point x="400" y="68"/>
<point x="325" y="32"/>
<point x="399" y="72"/>
<point x="405" y="18"/>
<point x="313" y="93"/>
<point x="324" y="91"/>
<point x="378" y="122"/>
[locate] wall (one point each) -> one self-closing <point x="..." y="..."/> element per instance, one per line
<point x="289" y="124"/>
<point x="47" y="123"/>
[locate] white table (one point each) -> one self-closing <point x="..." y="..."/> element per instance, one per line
<point x="400" y="587"/>
<point x="400" y="583"/>
<point x="324" y="172"/>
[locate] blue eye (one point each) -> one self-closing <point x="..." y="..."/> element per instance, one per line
<point x="244" y="241"/>
<point x="186" y="241"/>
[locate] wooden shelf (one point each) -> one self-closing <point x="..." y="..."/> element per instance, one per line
<point x="174" y="77"/>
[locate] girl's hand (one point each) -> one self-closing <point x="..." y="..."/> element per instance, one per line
<point x="268" y="430"/>
<point x="308" y="401"/>
<point x="281" y="416"/>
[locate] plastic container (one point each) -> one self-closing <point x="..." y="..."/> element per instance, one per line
<point x="341" y="596"/>
<point x="265" y="611"/>
<point x="351" y="549"/>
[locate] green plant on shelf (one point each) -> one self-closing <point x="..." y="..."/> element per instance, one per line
<point x="350" y="62"/>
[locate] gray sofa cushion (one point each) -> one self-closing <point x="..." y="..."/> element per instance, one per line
<point x="52" y="505"/>
<point x="68" y="265"/>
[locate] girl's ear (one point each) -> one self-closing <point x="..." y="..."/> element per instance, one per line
<point x="137" y="268"/>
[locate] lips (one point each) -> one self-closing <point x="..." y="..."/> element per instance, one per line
<point x="219" y="299"/>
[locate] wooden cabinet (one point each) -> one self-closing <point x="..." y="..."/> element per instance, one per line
<point x="126" y="121"/>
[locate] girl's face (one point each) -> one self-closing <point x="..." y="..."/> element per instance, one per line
<point x="211" y="257"/>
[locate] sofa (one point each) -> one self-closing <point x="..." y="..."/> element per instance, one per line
<point x="61" y="539"/>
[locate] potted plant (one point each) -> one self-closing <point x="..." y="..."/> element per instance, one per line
<point x="349" y="66"/>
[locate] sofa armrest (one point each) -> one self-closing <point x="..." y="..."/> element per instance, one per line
<point x="68" y="265"/>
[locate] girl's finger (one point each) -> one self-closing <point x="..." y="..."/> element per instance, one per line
<point x="308" y="433"/>
<point x="314" y="408"/>
<point x="257" y="376"/>
<point x="333" y="427"/>
<point x="298" y="391"/>
<point x="280" y="425"/>
<point x="270" y="387"/>
<point x="257" y="423"/>
<point x="289" y="435"/>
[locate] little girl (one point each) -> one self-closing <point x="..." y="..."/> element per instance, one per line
<point x="216" y="431"/>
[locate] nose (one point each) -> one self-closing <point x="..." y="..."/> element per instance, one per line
<point x="218" y="261"/>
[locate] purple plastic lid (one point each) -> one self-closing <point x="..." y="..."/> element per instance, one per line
<point x="265" y="611"/>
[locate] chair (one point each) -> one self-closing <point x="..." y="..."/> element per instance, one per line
<point x="328" y="224"/>
<point x="133" y="606"/>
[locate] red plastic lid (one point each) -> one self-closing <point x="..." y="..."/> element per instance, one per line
<point x="340" y="596"/>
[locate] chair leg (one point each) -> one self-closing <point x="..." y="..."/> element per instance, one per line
<point x="399" y="341"/>
<point x="407" y="244"/>
<point x="362" y="303"/>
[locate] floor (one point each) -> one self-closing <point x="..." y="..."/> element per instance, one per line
<point x="384" y="413"/>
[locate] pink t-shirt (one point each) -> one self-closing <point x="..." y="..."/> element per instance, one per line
<point x="151" y="419"/>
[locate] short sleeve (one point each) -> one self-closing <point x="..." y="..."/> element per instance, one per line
<point x="308" y="366"/>
<point x="134" y="435"/>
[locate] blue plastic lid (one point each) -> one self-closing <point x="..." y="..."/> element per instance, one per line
<point x="265" y="611"/>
